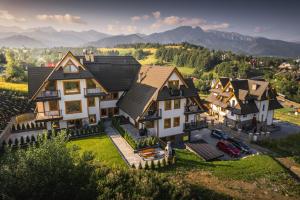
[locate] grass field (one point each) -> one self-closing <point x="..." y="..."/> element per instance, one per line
<point x="13" y="86"/>
<point x="287" y="114"/>
<point x="103" y="148"/>
<point x="186" y="71"/>
<point x="234" y="177"/>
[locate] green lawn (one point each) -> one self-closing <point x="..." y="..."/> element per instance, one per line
<point x="186" y="71"/>
<point x="287" y="114"/>
<point x="286" y="147"/>
<point x="251" y="169"/>
<point x="103" y="148"/>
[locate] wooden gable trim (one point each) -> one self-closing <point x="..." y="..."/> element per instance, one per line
<point x="216" y="83"/>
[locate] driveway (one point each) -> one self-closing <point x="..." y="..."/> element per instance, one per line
<point x="204" y="134"/>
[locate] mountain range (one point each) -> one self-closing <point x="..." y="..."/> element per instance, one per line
<point x="218" y="40"/>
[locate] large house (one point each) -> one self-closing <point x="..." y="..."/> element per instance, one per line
<point x="82" y="90"/>
<point x="243" y="103"/>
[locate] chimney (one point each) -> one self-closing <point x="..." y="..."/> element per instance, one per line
<point x="92" y="58"/>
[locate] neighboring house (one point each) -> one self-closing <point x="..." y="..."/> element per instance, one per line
<point x="243" y="102"/>
<point x="82" y="90"/>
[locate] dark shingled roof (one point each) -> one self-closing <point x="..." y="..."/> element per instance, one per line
<point x="244" y="109"/>
<point x="114" y="73"/>
<point x="60" y="75"/>
<point x="224" y="81"/>
<point x="274" y="104"/>
<point x="36" y="76"/>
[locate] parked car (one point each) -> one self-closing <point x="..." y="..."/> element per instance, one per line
<point x="217" y="133"/>
<point x="240" y="145"/>
<point x="228" y="148"/>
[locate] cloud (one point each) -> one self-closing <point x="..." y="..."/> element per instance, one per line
<point x="259" y="29"/>
<point x="156" y="14"/>
<point x="185" y="21"/>
<point x="67" y="18"/>
<point x="5" y="15"/>
<point x="138" y="18"/>
<point x="117" y="29"/>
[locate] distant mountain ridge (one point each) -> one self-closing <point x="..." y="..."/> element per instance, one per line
<point x="218" y="40"/>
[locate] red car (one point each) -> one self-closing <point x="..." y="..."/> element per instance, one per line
<point x="228" y="148"/>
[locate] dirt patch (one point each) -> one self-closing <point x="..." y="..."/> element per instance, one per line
<point x="260" y="189"/>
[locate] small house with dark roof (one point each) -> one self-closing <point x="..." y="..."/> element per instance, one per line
<point x="243" y="102"/>
<point x="83" y="90"/>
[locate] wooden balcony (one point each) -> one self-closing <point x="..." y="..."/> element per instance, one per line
<point x="197" y="125"/>
<point x="192" y="109"/>
<point x="48" y="116"/>
<point x="93" y="92"/>
<point x="48" y="95"/>
<point x="151" y="115"/>
<point x="175" y="92"/>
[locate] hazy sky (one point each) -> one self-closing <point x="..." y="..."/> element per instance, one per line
<point x="273" y="19"/>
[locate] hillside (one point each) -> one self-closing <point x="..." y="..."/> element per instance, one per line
<point x="19" y="41"/>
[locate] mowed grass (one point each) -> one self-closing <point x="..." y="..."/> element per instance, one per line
<point x="13" y="86"/>
<point x="287" y="114"/>
<point x="247" y="169"/>
<point x="103" y="149"/>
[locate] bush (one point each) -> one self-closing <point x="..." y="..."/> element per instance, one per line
<point x="158" y="164"/>
<point x="23" y="127"/>
<point x="133" y="166"/>
<point x="10" y="142"/>
<point x="16" y="142"/>
<point x="32" y="138"/>
<point x="146" y="165"/>
<point x="152" y="165"/>
<point x="140" y="166"/>
<point x="22" y="140"/>
<point x="27" y="126"/>
<point x="27" y="139"/>
<point x="18" y="127"/>
<point x="13" y="128"/>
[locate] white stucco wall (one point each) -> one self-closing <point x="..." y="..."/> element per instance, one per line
<point x="262" y="115"/>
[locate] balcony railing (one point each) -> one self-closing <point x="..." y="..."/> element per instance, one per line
<point x="192" y="109"/>
<point x="151" y="115"/>
<point x="176" y="92"/>
<point x="48" y="115"/>
<point x="93" y="92"/>
<point x="48" y="95"/>
<point x="191" y="126"/>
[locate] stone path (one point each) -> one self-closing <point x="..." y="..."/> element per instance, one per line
<point x="124" y="148"/>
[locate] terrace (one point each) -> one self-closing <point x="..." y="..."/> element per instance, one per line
<point x="93" y="92"/>
<point x="48" y="95"/>
<point x="151" y="115"/>
<point x="191" y="126"/>
<point x="48" y="115"/>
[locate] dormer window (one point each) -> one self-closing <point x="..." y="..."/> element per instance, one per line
<point x="173" y="84"/>
<point x="71" y="69"/>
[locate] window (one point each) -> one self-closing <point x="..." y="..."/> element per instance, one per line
<point x="149" y="124"/>
<point x="71" y="87"/>
<point x="73" y="107"/>
<point x="53" y="105"/>
<point x="51" y="86"/>
<point x="167" y="123"/>
<point x="103" y="112"/>
<point x="91" y="102"/>
<point x="177" y="104"/>
<point x="176" y="121"/>
<point x="70" y="68"/>
<point x="168" y="105"/>
<point x="110" y="96"/>
<point x="263" y="108"/>
<point x="173" y="84"/>
<point x="92" y="119"/>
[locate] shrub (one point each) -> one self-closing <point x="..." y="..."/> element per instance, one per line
<point x="13" y="128"/>
<point x="27" y="139"/>
<point x="22" y="140"/>
<point x="32" y="138"/>
<point x="140" y="166"/>
<point x="133" y="166"/>
<point x="32" y="125"/>
<point x="3" y="143"/>
<point x="27" y="126"/>
<point x="18" y="127"/>
<point x="164" y="163"/>
<point x="158" y="164"/>
<point x="146" y="165"/>
<point x="152" y="166"/>
<point x="10" y="142"/>
<point x="23" y="127"/>
<point x="16" y="141"/>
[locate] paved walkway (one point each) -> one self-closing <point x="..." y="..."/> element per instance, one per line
<point x="124" y="148"/>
